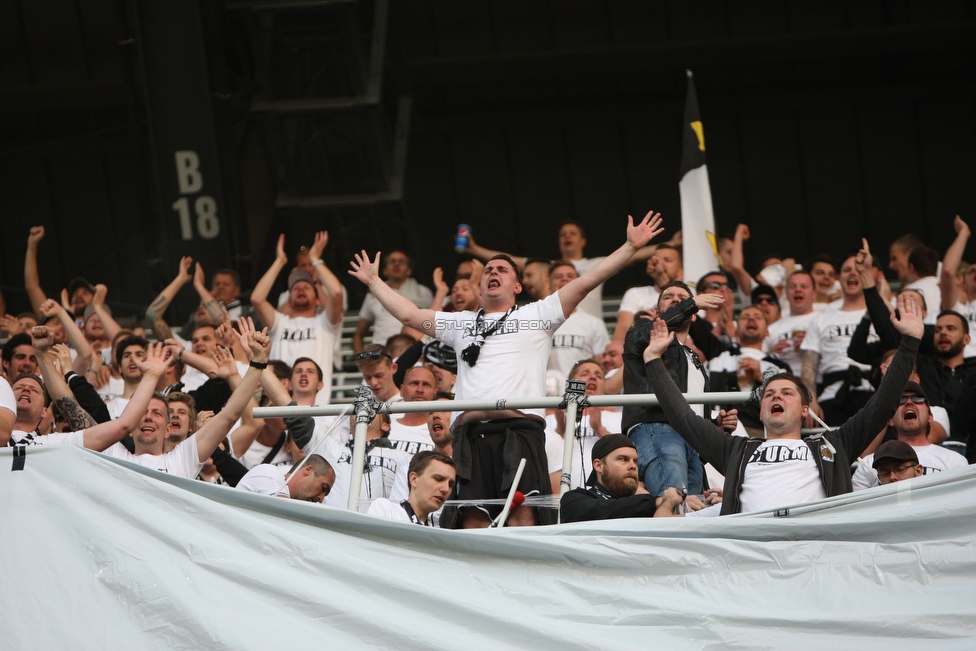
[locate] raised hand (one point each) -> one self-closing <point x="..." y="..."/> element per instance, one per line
<point x="708" y="301"/>
<point x="962" y="228"/>
<point x="199" y="277"/>
<point x="50" y="308"/>
<point x="62" y="357"/>
<point x="257" y="345"/>
<point x="43" y="338"/>
<point x="202" y="418"/>
<point x="101" y="291"/>
<point x="363" y="268"/>
<point x="225" y="335"/>
<point x="226" y="364"/>
<point x="280" y="255"/>
<point x="742" y="230"/>
<point x="318" y="246"/>
<point x="645" y="231"/>
<point x="65" y="301"/>
<point x="157" y="358"/>
<point x="35" y="236"/>
<point x="10" y="324"/>
<point x="184" y="274"/>
<point x="907" y="319"/>
<point x="439" y="284"/>
<point x="659" y="341"/>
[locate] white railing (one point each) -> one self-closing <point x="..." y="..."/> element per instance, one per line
<point x="366" y="407"/>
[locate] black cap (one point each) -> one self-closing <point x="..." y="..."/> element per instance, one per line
<point x="916" y="388"/>
<point x="763" y="290"/>
<point x="609" y="443"/>
<point x="441" y="355"/>
<point x="894" y="451"/>
<point x="78" y="283"/>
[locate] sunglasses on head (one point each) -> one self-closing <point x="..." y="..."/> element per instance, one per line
<point x="918" y="400"/>
<point x="372" y="355"/>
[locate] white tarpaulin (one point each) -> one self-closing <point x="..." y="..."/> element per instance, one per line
<point x="100" y="555"/>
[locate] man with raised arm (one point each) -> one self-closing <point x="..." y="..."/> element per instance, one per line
<point x="187" y="458"/>
<point x="503" y="351"/>
<point x="572" y="242"/>
<point x="304" y="333"/>
<point x="31" y="402"/>
<point x="784" y="469"/>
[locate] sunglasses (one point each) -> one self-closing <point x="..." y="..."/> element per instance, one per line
<point x="372" y="355"/>
<point x="765" y="299"/>
<point x="918" y="400"/>
<point x="715" y="285"/>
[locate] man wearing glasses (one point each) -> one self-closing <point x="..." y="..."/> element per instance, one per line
<point x="910" y="423"/>
<point x="896" y="461"/>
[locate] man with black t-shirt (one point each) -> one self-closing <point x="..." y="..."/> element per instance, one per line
<point x="613" y="489"/>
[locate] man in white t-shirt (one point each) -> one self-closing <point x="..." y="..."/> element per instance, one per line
<point x="303" y="333"/>
<point x="504" y="350"/>
<point x="312" y="483"/>
<point x="31" y="401"/>
<point x="846" y="388"/>
<point x="408" y="432"/>
<point x="663" y="267"/>
<point x="581" y="336"/>
<point x="784" y="469"/>
<point x="431" y="476"/>
<point x="187" y="458"/>
<point x="895" y="461"/>
<point x="916" y="266"/>
<point x="786" y="335"/>
<point x="572" y="241"/>
<point x="911" y="424"/>
<point x="128" y="353"/>
<point x="398" y="271"/>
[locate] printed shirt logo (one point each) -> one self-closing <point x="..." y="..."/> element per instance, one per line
<point x="780" y="454"/>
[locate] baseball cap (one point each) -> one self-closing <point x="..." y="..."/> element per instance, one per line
<point x="441" y="355"/>
<point x="90" y="311"/>
<point x="894" y="451"/>
<point x="77" y="283"/>
<point x="763" y="290"/>
<point x="916" y="388"/>
<point x="609" y="443"/>
<point x="299" y="275"/>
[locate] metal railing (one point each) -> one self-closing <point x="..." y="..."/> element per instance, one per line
<point x="366" y="406"/>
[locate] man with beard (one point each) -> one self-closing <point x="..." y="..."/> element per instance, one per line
<point x="614" y="490"/>
<point x="303" y="333"/>
<point x="911" y="424"/>
<point x="464" y="295"/>
<point x="665" y="459"/>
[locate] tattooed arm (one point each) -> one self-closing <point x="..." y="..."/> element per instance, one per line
<point x="78" y="419"/>
<point x="155" y="311"/>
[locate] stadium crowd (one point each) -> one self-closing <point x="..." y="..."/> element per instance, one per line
<point x="854" y="384"/>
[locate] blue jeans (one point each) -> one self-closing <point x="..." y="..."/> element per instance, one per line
<point x="664" y="459"/>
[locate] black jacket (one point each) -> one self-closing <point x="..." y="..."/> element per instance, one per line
<point x="595" y="503"/>
<point x="675" y="359"/>
<point x="832" y="450"/>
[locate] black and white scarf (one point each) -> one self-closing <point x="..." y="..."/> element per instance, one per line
<point x="471" y="353"/>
